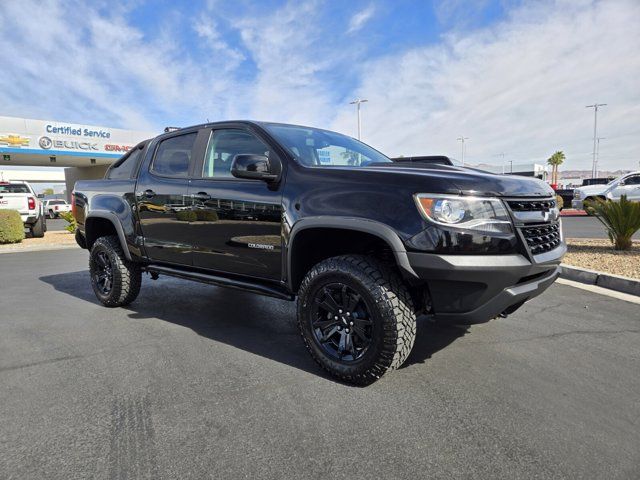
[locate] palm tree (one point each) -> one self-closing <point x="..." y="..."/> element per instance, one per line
<point x="555" y="161"/>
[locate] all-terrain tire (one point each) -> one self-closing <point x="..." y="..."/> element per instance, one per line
<point x="38" y="228"/>
<point x="390" y="307"/>
<point x="126" y="275"/>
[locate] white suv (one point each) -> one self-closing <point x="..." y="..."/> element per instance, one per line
<point x="55" y="206"/>
<point x="21" y="197"/>
<point x="628" y="184"/>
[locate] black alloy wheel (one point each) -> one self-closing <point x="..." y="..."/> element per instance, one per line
<point x="341" y="323"/>
<point x="115" y="280"/>
<point x="356" y="317"/>
<point x="103" y="274"/>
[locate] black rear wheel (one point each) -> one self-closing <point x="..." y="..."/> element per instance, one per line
<point x="115" y="280"/>
<point x="38" y="228"/>
<point x="356" y="318"/>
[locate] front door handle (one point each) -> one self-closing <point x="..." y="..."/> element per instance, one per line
<point x="146" y="194"/>
<point x="202" y="196"/>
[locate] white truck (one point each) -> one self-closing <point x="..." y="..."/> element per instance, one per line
<point x="21" y="197"/>
<point x="55" y="207"/>
<point x="628" y="184"/>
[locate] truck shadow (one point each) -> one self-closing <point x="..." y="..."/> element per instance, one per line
<point x="259" y="325"/>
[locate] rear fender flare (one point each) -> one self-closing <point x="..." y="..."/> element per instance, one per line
<point x="113" y="218"/>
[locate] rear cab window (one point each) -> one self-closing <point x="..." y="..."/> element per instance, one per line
<point x="14" y="188"/>
<point x="124" y="168"/>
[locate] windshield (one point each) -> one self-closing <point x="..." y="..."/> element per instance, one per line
<point x="313" y="147"/>
<point x="14" y="188"/>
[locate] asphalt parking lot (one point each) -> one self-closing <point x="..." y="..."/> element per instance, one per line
<point x="585" y="227"/>
<point x="193" y="381"/>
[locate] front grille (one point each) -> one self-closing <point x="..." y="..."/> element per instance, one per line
<point x="531" y="205"/>
<point x="541" y="238"/>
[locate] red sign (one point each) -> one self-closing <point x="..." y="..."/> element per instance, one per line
<point x="117" y="148"/>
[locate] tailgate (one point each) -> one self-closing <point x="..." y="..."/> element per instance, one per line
<point x="14" y="201"/>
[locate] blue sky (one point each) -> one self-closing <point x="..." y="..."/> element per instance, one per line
<point x="513" y="76"/>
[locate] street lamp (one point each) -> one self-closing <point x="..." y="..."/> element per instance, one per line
<point x="461" y="139"/>
<point x="357" y="103"/>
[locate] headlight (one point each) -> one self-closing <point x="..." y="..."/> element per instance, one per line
<point x="576" y="194"/>
<point x="470" y="213"/>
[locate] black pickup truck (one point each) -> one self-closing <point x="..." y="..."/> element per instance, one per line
<point x="364" y="243"/>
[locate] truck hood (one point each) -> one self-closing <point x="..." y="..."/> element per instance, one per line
<point x="593" y="189"/>
<point x="468" y="181"/>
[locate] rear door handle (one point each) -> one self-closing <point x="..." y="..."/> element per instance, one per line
<point x="146" y="194"/>
<point x="202" y="196"/>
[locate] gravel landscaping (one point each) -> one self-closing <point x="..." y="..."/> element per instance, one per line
<point x="50" y="241"/>
<point x="599" y="255"/>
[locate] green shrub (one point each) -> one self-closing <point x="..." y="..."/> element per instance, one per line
<point x="71" y="220"/>
<point x="559" y="202"/>
<point x="11" y="227"/>
<point x="206" y="216"/>
<point x="621" y="219"/>
<point x="186" y="216"/>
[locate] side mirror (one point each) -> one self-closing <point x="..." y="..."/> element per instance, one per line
<point x="255" y="167"/>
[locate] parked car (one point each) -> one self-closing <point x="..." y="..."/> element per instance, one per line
<point x="628" y="184"/>
<point x="21" y="197"/>
<point x="54" y="207"/>
<point x="365" y="243"/>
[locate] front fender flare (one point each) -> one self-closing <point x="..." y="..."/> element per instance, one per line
<point x="378" y="229"/>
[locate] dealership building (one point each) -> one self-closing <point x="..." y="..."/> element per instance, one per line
<point x="86" y="151"/>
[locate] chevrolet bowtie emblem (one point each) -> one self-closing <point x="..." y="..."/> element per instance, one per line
<point x="14" y="141"/>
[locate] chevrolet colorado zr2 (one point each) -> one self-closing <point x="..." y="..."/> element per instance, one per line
<point x="364" y="243"/>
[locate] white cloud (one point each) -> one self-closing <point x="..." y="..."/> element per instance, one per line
<point x="519" y="87"/>
<point x="360" y="19"/>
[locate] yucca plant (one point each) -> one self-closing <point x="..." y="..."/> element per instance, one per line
<point x="621" y="219"/>
<point x="70" y="219"/>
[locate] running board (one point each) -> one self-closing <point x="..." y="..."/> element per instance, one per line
<point x="221" y="281"/>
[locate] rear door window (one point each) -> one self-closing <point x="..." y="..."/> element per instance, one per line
<point x="174" y="156"/>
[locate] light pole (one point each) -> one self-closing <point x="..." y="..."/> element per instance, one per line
<point x="595" y="107"/>
<point x="357" y="103"/>
<point x="461" y="139"/>
<point x="598" y="154"/>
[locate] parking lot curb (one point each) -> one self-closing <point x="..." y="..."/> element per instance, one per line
<point x="604" y="280"/>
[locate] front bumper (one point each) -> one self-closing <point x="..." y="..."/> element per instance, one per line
<point x="577" y="204"/>
<point x="468" y="289"/>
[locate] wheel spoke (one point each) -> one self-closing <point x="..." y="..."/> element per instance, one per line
<point x="342" y="345"/>
<point x="322" y="324"/>
<point x="360" y="332"/>
<point x="326" y="336"/>
<point x="362" y="322"/>
<point x="344" y="297"/>
<point x="354" y="299"/>
<point x="329" y="303"/>
<point x="101" y="260"/>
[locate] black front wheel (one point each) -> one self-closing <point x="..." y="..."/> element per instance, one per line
<point x="115" y="280"/>
<point x="356" y="318"/>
